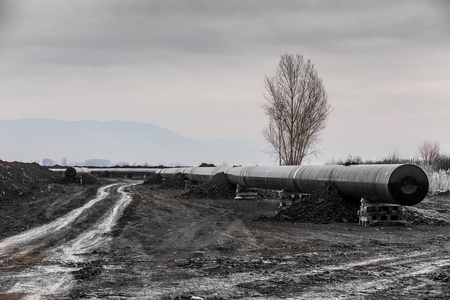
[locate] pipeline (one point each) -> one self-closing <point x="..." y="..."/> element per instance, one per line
<point x="402" y="184"/>
<point x="76" y="172"/>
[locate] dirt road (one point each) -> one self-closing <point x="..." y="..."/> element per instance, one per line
<point x="167" y="247"/>
<point x="44" y="261"/>
<point x="216" y="249"/>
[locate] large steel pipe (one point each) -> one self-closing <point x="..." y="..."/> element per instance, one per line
<point x="76" y="172"/>
<point x="200" y="174"/>
<point x="126" y="170"/>
<point x="203" y="174"/>
<point x="397" y="184"/>
<point x="171" y="172"/>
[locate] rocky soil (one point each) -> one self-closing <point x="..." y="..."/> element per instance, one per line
<point x="22" y="179"/>
<point x="323" y="206"/>
<point x="154" y="180"/>
<point x="176" y="183"/>
<point x="218" y="188"/>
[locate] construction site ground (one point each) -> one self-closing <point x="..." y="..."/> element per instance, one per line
<point x="141" y="242"/>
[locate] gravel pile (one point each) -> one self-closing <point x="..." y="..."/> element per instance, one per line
<point x="153" y="180"/>
<point x="218" y="188"/>
<point x="175" y="183"/>
<point x="322" y="206"/>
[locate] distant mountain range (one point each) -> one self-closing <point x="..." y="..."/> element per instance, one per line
<point x="115" y="142"/>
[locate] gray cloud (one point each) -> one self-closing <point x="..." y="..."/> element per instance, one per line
<point x="5" y="12"/>
<point x="185" y="57"/>
<point x="111" y="32"/>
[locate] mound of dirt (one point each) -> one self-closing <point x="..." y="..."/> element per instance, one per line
<point x="104" y="174"/>
<point x="322" y="206"/>
<point x="24" y="179"/>
<point x="175" y="183"/>
<point x="218" y="188"/>
<point x="267" y="194"/>
<point x="436" y="194"/>
<point x="414" y="217"/>
<point x="89" y="179"/>
<point x="155" y="179"/>
<point x="207" y="165"/>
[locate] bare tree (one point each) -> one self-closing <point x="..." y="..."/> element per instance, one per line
<point x="354" y="160"/>
<point x="297" y="107"/>
<point x="47" y="162"/>
<point x="429" y="151"/>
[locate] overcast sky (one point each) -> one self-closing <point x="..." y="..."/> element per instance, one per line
<point x="197" y="67"/>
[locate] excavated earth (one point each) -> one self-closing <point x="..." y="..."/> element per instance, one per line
<point x="138" y="241"/>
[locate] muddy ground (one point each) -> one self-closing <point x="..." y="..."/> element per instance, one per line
<point x="216" y="249"/>
<point x="141" y="242"/>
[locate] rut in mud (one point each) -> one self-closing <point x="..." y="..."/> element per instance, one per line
<point x="43" y="261"/>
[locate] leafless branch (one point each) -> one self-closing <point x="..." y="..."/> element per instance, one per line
<point x="297" y="107"/>
<point x="429" y="151"/>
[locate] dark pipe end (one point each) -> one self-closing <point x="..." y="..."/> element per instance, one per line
<point x="71" y="172"/>
<point x="408" y="185"/>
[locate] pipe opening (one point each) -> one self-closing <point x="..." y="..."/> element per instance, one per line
<point x="409" y="185"/>
<point x="71" y="172"/>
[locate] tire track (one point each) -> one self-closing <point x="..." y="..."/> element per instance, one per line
<point x="23" y="243"/>
<point x="389" y="272"/>
<point x="96" y="237"/>
<point x="53" y="276"/>
<point x="379" y="274"/>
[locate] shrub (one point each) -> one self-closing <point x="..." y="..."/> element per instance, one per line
<point x="439" y="181"/>
<point x="441" y="163"/>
